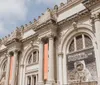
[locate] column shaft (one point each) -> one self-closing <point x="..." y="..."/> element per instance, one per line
<point x="8" y="71"/>
<point x="41" y="64"/>
<point x="97" y="30"/>
<point x="21" y="74"/>
<point x="51" y="60"/>
<point x="32" y="78"/>
<point x="14" y="69"/>
<point x="64" y="69"/>
<point x="60" y="56"/>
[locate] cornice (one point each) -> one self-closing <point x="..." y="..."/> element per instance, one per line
<point x="68" y="5"/>
<point x="89" y="3"/>
<point x="12" y="41"/>
<point x="75" y="17"/>
<point x="51" y="21"/>
<point x="30" y="37"/>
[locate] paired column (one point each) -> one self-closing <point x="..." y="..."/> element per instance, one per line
<point x="41" y="63"/>
<point x="8" y="70"/>
<point x="14" y="68"/>
<point x="60" y="57"/>
<point x="97" y="34"/>
<point x="51" y="60"/>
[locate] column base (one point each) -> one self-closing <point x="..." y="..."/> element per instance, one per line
<point x="98" y="80"/>
<point x="41" y="83"/>
<point x="52" y="82"/>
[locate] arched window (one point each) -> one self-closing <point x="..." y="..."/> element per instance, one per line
<point x="33" y="57"/>
<point x="31" y="62"/>
<point x="81" y="59"/>
<point x="80" y="42"/>
<point x="3" y="70"/>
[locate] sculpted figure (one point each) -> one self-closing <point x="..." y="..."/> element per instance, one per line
<point x="82" y="74"/>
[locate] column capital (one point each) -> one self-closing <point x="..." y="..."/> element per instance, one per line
<point x="6" y="55"/>
<point x="60" y="54"/>
<point x="22" y="65"/>
<point x="10" y="54"/>
<point x="96" y="17"/>
<point x="16" y="51"/>
<point x="51" y="36"/>
<point x="13" y="50"/>
<point x="40" y="40"/>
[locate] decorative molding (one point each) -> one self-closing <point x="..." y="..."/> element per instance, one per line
<point x="75" y="17"/>
<point x="67" y="5"/>
<point x="74" y="25"/>
<point x="96" y="16"/>
<point x="89" y="3"/>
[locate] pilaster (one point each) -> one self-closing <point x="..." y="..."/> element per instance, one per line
<point x="96" y="20"/>
<point x="60" y="57"/>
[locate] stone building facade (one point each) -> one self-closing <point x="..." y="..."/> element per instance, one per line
<point x="62" y="47"/>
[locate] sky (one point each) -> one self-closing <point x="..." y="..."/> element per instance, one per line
<point x="14" y="13"/>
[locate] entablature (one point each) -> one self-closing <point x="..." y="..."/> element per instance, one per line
<point x="75" y="17"/>
<point x="90" y="3"/>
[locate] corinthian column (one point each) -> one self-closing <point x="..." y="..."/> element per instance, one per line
<point x="60" y="57"/>
<point x="41" y="63"/>
<point x="8" y="70"/>
<point x="51" y="60"/>
<point x="97" y="34"/>
<point x="14" y="68"/>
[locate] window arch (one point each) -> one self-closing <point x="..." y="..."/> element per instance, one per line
<point x="4" y="66"/>
<point x="80" y="42"/>
<point x="3" y="69"/>
<point x="32" y="74"/>
<point x="33" y="57"/>
<point x="80" y="57"/>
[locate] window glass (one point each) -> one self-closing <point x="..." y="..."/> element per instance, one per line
<point x="79" y="42"/>
<point x="88" y="42"/>
<point x="33" y="57"/>
<point x="30" y="59"/>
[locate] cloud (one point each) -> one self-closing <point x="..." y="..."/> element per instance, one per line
<point x="10" y="12"/>
<point x="11" y="9"/>
<point x="3" y="31"/>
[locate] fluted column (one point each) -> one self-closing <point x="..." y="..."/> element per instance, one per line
<point x="60" y="57"/>
<point x="8" y="70"/>
<point x="97" y="34"/>
<point x="41" y="63"/>
<point x="51" y="60"/>
<point x="14" y="68"/>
